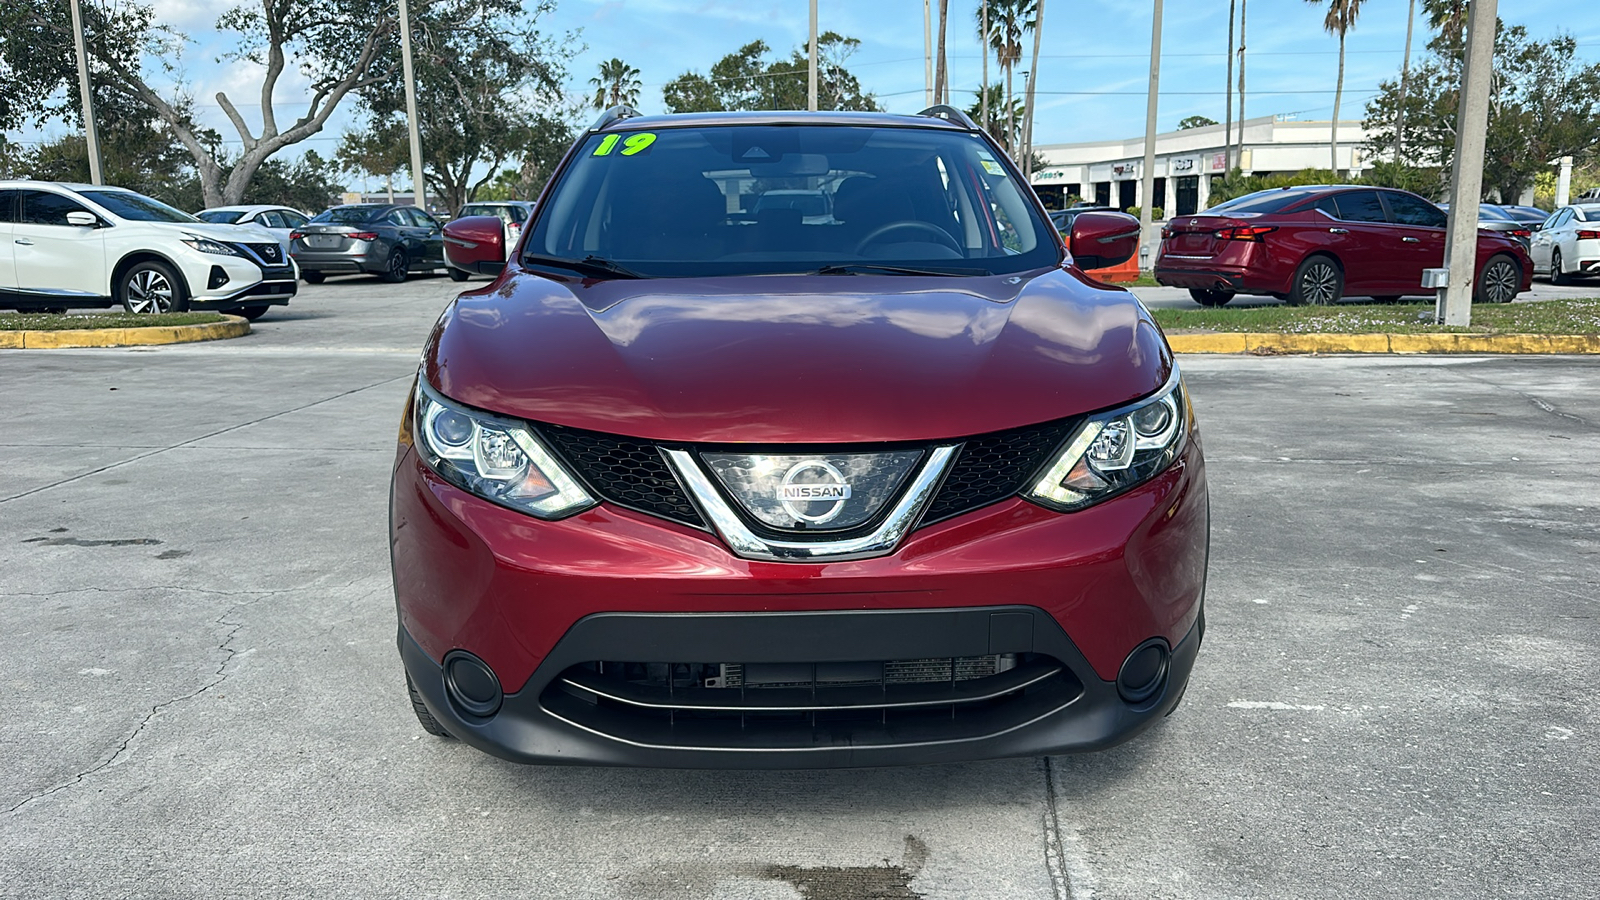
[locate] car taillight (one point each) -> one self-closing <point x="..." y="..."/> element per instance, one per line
<point x="1166" y="232"/>
<point x="1520" y="232"/>
<point x="1251" y="233"/>
<point x="364" y="236"/>
<point x="296" y="235"/>
<point x="1589" y="235"/>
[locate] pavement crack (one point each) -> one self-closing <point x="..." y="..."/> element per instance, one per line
<point x="221" y="431"/>
<point x="219" y="676"/>
<point x="1054" y="859"/>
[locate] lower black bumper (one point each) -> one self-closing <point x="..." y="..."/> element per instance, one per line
<point x="1200" y="279"/>
<point x="1053" y="703"/>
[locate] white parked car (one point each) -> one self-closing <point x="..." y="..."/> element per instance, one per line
<point x="280" y="220"/>
<point x="1568" y="243"/>
<point x="79" y="245"/>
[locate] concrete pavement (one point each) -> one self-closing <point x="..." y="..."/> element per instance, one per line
<point x="203" y="697"/>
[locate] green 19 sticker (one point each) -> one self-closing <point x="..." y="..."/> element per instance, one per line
<point x="636" y="143"/>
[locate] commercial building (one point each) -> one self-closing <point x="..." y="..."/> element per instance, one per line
<point x="1109" y="172"/>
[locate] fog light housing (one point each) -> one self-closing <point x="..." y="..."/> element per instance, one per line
<point x="1144" y="672"/>
<point x="471" y="684"/>
<point x="218" y="278"/>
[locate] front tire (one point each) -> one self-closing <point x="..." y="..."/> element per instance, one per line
<point x="425" y="718"/>
<point x="1498" y="282"/>
<point x="457" y="275"/>
<point x="314" y="277"/>
<point x="1317" y="282"/>
<point x="150" y="288"/>
<point x="396" y="267"/>
<point x="1211" y="298"/>
<point x="254" y="312"/>
<point x="1556" y="275"/>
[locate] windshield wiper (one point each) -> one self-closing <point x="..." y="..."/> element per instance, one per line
<point x="866" y="268"/>
<point x="589" y="264"/>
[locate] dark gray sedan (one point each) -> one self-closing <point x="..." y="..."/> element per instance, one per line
<point x="378" y="238"/>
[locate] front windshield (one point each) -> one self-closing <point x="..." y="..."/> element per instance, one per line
<point x="219" y="216"/>
<point x="1493" y="214"/>
<point x="349" y="215"/>
<point x="137" y="207"/>
<point x="769" y="199"/>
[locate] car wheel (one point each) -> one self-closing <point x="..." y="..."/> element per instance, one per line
<point x="1211" y="298"/>
<point x="429" y="723"/>
<point x="396" y="268"/>
<point x="1317" y="282"/>
<point x="457" y="274"/>
<point x="314" y="277"/>
<point x="1556" y="275"/>
<point x="151" y="288"/>
<point x="1498" y="282"/>
<point x="254" y="312"/>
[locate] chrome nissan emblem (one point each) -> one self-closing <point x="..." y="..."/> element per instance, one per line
<point x="827" y="486"/>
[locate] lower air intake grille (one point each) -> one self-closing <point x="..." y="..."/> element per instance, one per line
<point x="625" y="471"/>
<point x="778" y="706"/>
<point x="992" y="467"/>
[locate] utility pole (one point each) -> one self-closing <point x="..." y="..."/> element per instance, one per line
<point x="96" y="176"/>
<point x="1405" y="76"/>
<point x="1029" y="89"/>
<point x="1227" y="125"/>
<point x="1244" y="8"/>
<point x="420" y="189"/>
<point x="1563" y="180"/>
<point x="811" y="74"/>
<point x="1147" y="176"/>
<point x="927" y="53"/>
<point x="983" y="44"/>
<point x="1466" y="176"/>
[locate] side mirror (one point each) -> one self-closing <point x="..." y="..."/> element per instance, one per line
<point x="476" y="244"/>
<point x="1100" y="240"/>
<point x="83" y="219"/>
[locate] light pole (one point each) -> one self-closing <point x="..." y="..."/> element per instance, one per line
<point x="927" y="53"/>
<point x="1147" y="177"/>
<point x="89" y="132"/>
<point x="1466" y="181"/>
<point x="420" y="187"/>
<point x="811" y="71"/>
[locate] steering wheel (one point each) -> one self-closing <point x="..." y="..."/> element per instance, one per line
<point x="877" y="234"/>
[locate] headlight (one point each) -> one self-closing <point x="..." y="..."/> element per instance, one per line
<point x="1117" y="450"/>
<point x="497" y="459"/>
<point x="206" y="245"/>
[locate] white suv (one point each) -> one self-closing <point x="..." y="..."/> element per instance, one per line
<point x="79" y="245"/>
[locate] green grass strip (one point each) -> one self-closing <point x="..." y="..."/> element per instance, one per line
<point x="67" y="321"/>
<point x="1538" y="317"/>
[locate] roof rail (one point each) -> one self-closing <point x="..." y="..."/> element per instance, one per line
<point x="950" y="114"/>
<point x="614" y="114"/>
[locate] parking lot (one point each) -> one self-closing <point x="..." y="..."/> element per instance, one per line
<point x="1396" y="695"/>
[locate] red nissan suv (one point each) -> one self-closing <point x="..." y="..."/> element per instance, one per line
<point x="703" y="481"/>
<point x="1316" y="244"/>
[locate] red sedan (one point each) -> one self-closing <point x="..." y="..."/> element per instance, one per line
<point x="1316" y="244"/>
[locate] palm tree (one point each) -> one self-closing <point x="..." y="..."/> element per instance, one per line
<point x="617" y="85"/>
<point x="1007" y="19"/>
<point x="941" y="75"/>
<point x="1036" y="25"/>
<point x="1448" y="17"/>
<point x="1340" y="19"/>
<point x="1405" y="76"/>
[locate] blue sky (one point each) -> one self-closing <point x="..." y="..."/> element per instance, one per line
<point x="1093" y="70"/>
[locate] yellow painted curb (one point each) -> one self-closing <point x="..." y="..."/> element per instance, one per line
<point x="229" y="327"/>
<point x="1252" y="342"/>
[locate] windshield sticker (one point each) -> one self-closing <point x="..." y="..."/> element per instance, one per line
<point x="635" y="144"/>
<point x="989" y="165"/>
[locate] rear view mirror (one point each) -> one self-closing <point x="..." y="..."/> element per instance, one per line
<point x="1099" y="240"/>
<point x="82" y="219"/>
<point x="476" y="244"/>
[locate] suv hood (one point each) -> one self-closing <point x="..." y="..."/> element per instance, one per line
<point x="253" y="234"/>
<point x="796" y="359"/>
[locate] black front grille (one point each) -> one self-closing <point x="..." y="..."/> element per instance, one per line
<point x="992" y="467"/>
<point x="272" y="253"/>
<point x="756" y="706"/>
<point x="626" y="471"/>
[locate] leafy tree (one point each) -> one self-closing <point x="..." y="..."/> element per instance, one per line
<point x="310" y="183"/>
<point x="744" y="80"/>
<point x="1543" y="104"/>
<point x="1340" y="19"/>
<point x="1195" y="122"/>
<point x="550" y="140"/>
<point x="616" y="85"/>
<point x="1002" y="116"/>
<point x="485" y="78"/>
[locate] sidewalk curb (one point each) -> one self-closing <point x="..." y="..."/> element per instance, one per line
<point x="1268" y="343"/>
<point x="229" y="327"/>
